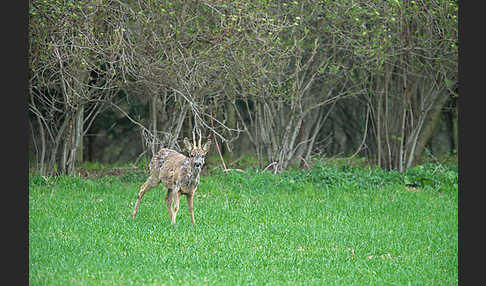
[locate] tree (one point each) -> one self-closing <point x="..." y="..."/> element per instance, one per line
<point x="76" y="65"/>
<point x="407" y="56"/>
<point x="293" y="77"/>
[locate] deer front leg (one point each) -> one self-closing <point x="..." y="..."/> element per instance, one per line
<point x="190" y="206"/>
<point x="149" y="184"/>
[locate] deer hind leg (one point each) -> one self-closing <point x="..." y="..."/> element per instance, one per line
<point x="151" y="182"/>
<point x="176" y="196"/>
<point x="168" y="203"/>
<point x="173" y="196"/>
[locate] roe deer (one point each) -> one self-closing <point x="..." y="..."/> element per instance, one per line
<point x="178" y="174"/>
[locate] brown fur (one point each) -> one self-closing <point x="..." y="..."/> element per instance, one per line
<point x="178" y="174"/>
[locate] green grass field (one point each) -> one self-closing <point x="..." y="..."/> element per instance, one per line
<point x="329" y="225"/>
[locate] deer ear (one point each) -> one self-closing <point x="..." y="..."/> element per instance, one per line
<point x="206" y="146"/>
<point x="187" y="144"/>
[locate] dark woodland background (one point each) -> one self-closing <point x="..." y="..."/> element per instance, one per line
<point x="282" y="82"/>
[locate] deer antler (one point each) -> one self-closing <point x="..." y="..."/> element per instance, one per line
<point x="200" y="137"/>
<point x="194" y="138"/>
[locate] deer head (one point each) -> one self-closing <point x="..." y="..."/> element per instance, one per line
<point x="197" y="153"/>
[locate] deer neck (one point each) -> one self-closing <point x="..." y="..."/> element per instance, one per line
<point x="191" y="174"/>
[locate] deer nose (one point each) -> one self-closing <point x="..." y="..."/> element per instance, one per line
<point x="197" y="165"/>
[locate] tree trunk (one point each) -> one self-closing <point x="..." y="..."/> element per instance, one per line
<point x="175" y="134"/>
<point x="91" y="140"/>
<point x="153" y="113"/>
<point x="79" y="135"/>
<point x="65" y="150"/>
<point x="43" y="146"/>
<point x="455" y="128"/>
<point x="430" y="126"/>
